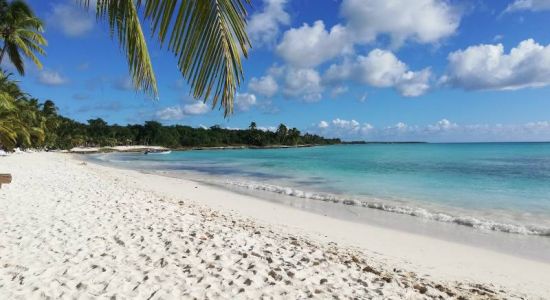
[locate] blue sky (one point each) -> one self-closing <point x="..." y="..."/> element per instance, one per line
<point x="431" y="70"/>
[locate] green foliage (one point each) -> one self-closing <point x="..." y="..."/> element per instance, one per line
<point x="21" y="34"/>
<point x="206" y="37"/>
<point x="21" y="121"/>
<point x="98" y="133"/>
<point x="26" y="123"/>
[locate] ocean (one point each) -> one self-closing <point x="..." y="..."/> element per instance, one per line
<point x="493" y="187"/>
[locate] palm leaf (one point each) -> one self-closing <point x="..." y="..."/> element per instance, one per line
<point x="21" y="30"/>
<point x="15" y="57"/>
<point x="123" y="19"/>
<point x="207" y="37"/>
<point x="8" y="137"/>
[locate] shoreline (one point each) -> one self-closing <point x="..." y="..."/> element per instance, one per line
<point x="532" y="247"/>
<point x="142" y="148"/>
<point x="440" y="214"/>
<point x="250" y="203"/>
<point x="437" y="265"/>
<point x="437" y="215"/>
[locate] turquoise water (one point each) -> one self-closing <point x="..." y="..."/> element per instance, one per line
<point x="494" y="186"/>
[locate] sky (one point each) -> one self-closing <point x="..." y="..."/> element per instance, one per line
<point x="377" y="70"/>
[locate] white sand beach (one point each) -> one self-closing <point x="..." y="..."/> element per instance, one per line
<point x="78" y="230"/>
<point x="135" y="148"/>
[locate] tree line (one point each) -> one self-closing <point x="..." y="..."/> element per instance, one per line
<point x="27" y="123"/>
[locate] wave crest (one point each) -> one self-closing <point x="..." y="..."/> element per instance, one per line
<point x="468" y="221"/>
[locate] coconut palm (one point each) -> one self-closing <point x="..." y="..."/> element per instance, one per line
<point x="20" y="120"/>
<point x="282" y="131"/>
<point x="9" y="122"/>
<point x="207" y="38"/>
<point x="20" y="32"/>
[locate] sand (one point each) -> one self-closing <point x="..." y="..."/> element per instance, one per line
<point x="77" y="230"/>
<point x="135" y="148"/>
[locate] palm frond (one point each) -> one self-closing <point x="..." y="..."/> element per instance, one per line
<point x="15" y="57"/>
<point x="8" y="136"/>
<point x="123" y="19"/>
<point x="20" y="7"/>
<point x="21" y="29"/>
<point x="207" y="37"/>
<point x="34" y="38"/>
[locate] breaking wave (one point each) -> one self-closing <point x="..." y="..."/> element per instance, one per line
<point x="468" y="221"/>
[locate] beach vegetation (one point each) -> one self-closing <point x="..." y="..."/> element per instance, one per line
<point x="21" y="34"/>
<point x="208" y="39"/>
<point x="27" y="122"/>
<point x="21" y="123"/>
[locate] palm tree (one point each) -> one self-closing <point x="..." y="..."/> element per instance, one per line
<point x="294" y="135"/>
<point x="20" y="31"/>
<point x="207" y="37"/>
<point x="10" y="123"/>
<point x="49" y="109"/>
<point x="51" y="122"/>
<point x="282" y="131"/>
<point x="20" y="120"/>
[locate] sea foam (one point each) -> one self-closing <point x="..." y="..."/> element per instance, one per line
<point x="469" y="221"/>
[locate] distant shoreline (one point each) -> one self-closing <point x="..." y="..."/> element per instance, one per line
<point x="142" y="148"/>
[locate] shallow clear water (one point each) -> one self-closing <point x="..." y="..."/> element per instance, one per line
<point x="495" y="186"/>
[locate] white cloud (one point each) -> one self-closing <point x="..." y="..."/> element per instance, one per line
<point x="343" y="128"/>
<point x="245" y="101"/>
<point x="537" y="125"/>
<point x="323" y="125"/>
<point x="339" y="123"/>
<point x="354" y="130"/>
<point x="423" y="21"/>
<point x="414" y="84"/>
<point x="71" y="19"/>
<point x="532" y="5"/>
<point x="197" y="108"/>
<point x="382" y="69"/>
<point x="178" y="112"/>
<point x="170" y="113"/>
<point x="443" y="130"/>
<point x="276" y="70"/>
<point x="400" y="127"/>
<point x="442" y="125"/>
<point x="487" y="67"/>
<point x="265" y="86"/>
<point x="338" y="90"/>
<point x="309" y="46"/>
<point x="263" y="27"/>
<point x="338" y="73"/>
<point x="268" y="128"/>
<point x="51" y="78"/>
<point x="303" y="83"/>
